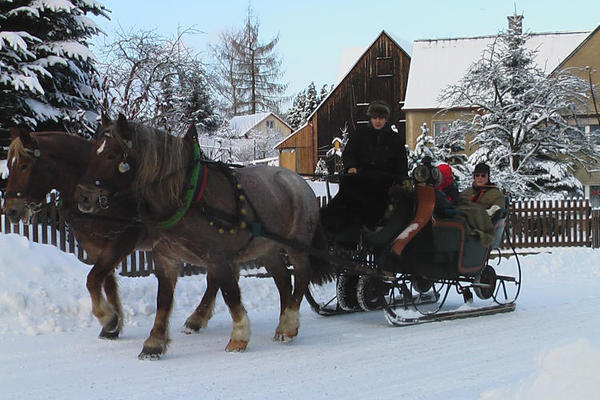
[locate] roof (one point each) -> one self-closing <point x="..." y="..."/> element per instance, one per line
<point x="242" y="124"/>
<point x="437" y="63"/>
<point x="351" y="55"/>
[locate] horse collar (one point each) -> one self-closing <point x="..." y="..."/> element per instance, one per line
<point x="192" y="195"/>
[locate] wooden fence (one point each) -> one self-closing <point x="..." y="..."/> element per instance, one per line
<point x="530" y="224"/>
<point x="48" y="227"/>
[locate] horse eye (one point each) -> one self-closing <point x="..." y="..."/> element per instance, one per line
<point x="23" y="167"/>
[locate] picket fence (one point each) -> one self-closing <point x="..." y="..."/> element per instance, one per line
<point x="530" y="224"/>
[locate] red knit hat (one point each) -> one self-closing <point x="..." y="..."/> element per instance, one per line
<point x="446" y="172"/>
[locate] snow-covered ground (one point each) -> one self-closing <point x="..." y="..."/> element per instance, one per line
<point x="549" y="348"/>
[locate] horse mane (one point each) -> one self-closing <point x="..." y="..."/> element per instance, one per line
<point x="162" y="165"/>
<point x="16" y="150"/>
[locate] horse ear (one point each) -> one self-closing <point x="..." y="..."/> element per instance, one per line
<point x="26" y="138"/>
<point x="123" y="127"/>
<point x="105" y="119"/>
<point x="192" y="133"/>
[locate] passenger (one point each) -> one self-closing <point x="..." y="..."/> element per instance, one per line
<point x="446" y="194"/>
<point x="481" y="204"/>
<point x="374" y="158"/>
<point x="483" y="191"/>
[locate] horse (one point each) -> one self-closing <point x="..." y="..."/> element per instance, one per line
<point x="232" y="221"/>
<point x="43" y="161"/>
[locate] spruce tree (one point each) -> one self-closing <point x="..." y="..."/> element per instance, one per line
<point x="47" y="72"/>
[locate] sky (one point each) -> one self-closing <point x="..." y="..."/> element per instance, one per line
<point x="315" y="34"/>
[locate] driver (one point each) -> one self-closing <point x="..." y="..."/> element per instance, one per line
<point x="374" y="158"/>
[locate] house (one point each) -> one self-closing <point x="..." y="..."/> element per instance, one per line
<point x="246" y="126"/>
<point x="437" y="63"/>
<point x="380" y="73"/>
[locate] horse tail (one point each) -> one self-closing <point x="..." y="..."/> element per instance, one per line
<point x="321" y="270"/>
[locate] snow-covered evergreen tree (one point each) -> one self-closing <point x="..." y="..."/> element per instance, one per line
<point x="520" y="124"/>
<point x="426" y="147"/>
<point x="46" y="69"/>
<point x="304" y="104"/>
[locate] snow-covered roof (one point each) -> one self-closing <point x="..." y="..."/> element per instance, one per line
<point x="437" y="63"/>
<point x="242" y="124"/>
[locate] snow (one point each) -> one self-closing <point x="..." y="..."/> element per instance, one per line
<point x="549" y="348"/>
<point x="453" y="57"/>
<point x="243" y="123"/>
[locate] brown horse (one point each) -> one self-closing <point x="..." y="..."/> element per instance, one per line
<point x="43" y="161"/>
<point x="214" y="231"/>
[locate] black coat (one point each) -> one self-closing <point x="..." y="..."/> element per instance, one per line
<point x="372" y="151"/>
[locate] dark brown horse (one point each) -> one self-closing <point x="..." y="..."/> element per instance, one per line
<point x="40" y="162"/>
<point x="213" y="232"/>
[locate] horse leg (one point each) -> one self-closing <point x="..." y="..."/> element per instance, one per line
<point x="102" y="310"/>
<point x="230" y="290"/>
<point x="289" y="321"/>
<point x="204" y="311"/>
<point x="156" y="344"/>
<point x="111" y="289"/>
<point x="283" y="281"/>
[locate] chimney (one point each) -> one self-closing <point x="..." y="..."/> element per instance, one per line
<point x="515" y="24"/>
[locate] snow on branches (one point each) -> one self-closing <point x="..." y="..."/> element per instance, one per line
<point x="522" y="121"/>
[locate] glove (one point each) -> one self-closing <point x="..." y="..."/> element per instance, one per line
<point x="407" y="186"/>
<point x="492" y="210"/>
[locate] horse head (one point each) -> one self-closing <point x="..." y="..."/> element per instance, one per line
<point x="132" y="159"/>
<point x="39" y="162"/>
<point x="26" y="186"/>
<point x="110" y="167"/>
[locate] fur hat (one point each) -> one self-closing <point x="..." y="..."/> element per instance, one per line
<point x="482" y="168"/>
<point x="378" y="108"/>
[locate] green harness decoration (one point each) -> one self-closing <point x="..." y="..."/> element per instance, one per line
<point x="190" y="193"/>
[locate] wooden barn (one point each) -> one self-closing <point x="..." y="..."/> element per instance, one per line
<point x="381" y="73"/>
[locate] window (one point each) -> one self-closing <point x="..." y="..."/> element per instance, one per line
<point x="270" y="124"/>
<point x="594" y="132"/>
<point x="439" y="130"/>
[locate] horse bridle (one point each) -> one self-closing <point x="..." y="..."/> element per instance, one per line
<point x="123" y="167"/>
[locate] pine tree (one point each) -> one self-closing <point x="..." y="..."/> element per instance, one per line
<point x="46" y="69"/>
<point x="520" y="124"/>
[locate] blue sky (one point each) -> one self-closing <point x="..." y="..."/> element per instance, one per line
<point x="313" y="33"/>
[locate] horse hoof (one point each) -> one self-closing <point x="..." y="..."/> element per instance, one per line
<point x="236" y="346"/>
<point x="191" y="327"/>
<point x="104" y="334"/>
<point x="152" y="352"/>
<point x="282" y="337"/>
<point x="111" y="330"/>
<point x="149" y="356"/>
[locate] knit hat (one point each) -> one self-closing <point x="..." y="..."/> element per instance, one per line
<point x="446" y="173"/>
<point x="378" y="108"/>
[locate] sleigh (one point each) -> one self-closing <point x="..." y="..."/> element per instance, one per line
<point x="410" y="269"/>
